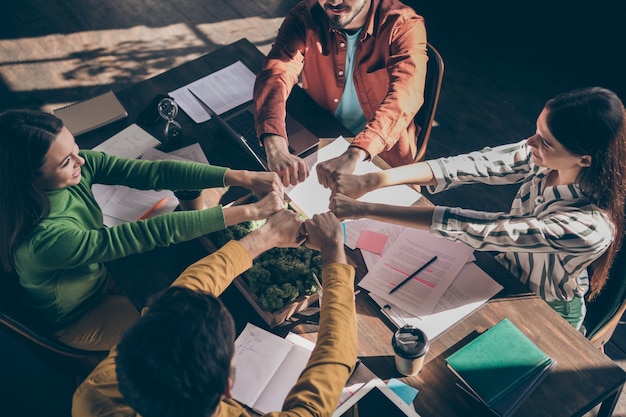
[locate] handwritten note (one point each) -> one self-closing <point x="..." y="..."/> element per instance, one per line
<point x="267" y="367"/>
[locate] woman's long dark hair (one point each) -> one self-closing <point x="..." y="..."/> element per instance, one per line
<point x="592" y="121"/>
<point x="25" y="138"/>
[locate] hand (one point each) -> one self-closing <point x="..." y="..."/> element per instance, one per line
<point x="354" y="186"/>
<point x="290" y="168"/>
<point x="284" y="229"/>
<point x="346" y="162"/>
<point x="268" y="205"/>
<point x="264" y="183"/>
<point x="345" y="207"/>
<point x="324" y="233"/>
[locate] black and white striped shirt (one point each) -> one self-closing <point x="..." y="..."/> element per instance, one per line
<point x="549" y="237"/>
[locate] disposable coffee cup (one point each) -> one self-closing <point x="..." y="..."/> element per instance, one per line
<point x="410" y="346"/>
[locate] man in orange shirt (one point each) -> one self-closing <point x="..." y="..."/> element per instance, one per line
<point x="365" y="62"/>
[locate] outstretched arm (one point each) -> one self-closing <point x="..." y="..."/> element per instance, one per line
<point x="319" y="386"/>
<point x="347" y="208"/>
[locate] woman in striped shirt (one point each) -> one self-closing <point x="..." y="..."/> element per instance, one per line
<point x="567" y="216"/>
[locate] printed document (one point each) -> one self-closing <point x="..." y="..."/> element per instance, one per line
<point x="222" y="90"/>
<point x="471" y="288"/>
<point x="412" y="249"/>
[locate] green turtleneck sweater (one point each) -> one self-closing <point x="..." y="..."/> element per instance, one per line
<point x="60" y="262"/>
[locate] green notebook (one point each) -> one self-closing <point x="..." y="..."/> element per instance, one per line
<point x="497" y="362"/>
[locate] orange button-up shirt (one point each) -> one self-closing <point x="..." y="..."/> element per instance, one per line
<point x="389" y="74"/>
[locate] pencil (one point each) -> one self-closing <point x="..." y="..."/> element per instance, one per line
<point x="420" y="269"/>
<point x="154" y="208"/>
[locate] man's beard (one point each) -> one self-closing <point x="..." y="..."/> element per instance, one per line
<point x="339" y="21"/>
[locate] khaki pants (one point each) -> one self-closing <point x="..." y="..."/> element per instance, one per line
<point x="101" y="327"/>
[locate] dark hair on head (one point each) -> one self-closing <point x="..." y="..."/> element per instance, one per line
<point x="592" y="121"/>
<point x="176" y="359"/>
<point x="25" y="138"/>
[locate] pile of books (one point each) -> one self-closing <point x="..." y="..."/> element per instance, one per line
<point x="500" y="368"/>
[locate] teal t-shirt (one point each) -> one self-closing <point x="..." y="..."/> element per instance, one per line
<point x="60" y="262"/>
<point x="349" y="111"/>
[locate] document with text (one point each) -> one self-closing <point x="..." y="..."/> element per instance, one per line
<point x="412" y="249"/>
<point x="471" y="288"/>
<point x="268" y="366"/>
<point x="222" y="90"/>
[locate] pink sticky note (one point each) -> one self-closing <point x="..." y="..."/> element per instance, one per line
<point x="372" y="241"/>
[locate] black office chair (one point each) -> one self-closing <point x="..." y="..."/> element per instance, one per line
<point x="21" y="323"/>
<point x="426" y="115"/>
<point x="606" y="309"/>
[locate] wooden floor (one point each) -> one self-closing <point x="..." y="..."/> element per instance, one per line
<point x="503" y="61"/>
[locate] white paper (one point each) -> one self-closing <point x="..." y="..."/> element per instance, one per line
<point x="222" y="90"/>
<point x="312" y="198"/>
<point x="130" y="142"/>
<point x="267" y="367"/>
<point x="412" y="249"/>
<point x="470" y="289"/>
<point x="122" y="204"/>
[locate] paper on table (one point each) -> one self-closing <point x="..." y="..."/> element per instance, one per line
<point x="412" y="249"/>
<point x="122" y="204"/>
<point x="312" y="198"/>
<point x="130" y="142"/>
<point x="221" y="90"/>
<point x="192" y="152"/>
<point x="128" y="204"/>
<point x="471" y="288"/>
<point x="267" y="368"/>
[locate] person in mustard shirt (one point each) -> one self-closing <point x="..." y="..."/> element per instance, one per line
<point x="53" y="236"/>
<point x="177" y="359"/>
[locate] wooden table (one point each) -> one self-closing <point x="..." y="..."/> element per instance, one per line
<point x="583" y="378"/>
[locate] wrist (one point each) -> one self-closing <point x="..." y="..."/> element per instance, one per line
<point x="333" y="252"/>
<point x="238" y="177"/>
<point x="274" y="142"/>
<point x="358" y="154"/>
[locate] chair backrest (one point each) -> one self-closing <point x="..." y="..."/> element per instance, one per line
<point x="22" y="323"/>
<point x="426" y="115"/>
<point x="606" y="309"/>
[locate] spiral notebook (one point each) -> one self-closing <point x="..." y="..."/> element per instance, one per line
<point x="90" y="114"/>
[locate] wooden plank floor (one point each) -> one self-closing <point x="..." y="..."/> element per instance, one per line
<point x="503" y="61"/>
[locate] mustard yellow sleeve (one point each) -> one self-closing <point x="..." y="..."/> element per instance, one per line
<point x="318" y="389"/>
<point x="214" y="273"/>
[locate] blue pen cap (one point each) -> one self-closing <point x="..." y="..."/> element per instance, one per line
<point x="410" y="342"/>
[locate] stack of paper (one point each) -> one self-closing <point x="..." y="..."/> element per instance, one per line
<point x="500" y="368"/>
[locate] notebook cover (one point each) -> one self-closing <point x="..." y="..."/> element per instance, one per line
<point x="83" y="116"/>
<point x="497" y="361"/>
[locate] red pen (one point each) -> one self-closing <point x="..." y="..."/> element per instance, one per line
<point x="152" y="209"/>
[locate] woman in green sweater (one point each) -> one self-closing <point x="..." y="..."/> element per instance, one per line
<point x="52" y="229"/>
